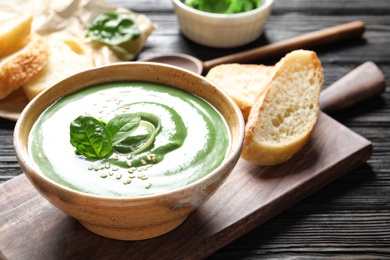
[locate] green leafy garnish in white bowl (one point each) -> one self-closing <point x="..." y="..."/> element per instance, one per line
<point x="224" y="6"/>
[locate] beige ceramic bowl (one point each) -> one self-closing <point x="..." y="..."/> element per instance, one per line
<point x="131" y="218"/>
<point x="222" y="30"/>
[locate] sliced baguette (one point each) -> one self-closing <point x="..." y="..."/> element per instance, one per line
<point x="12" y="33"/>
<point x="284" y="115"/>
<point x="68" y="56"/>
<point x="18" y="68"/>
<point x="243" y="82"/>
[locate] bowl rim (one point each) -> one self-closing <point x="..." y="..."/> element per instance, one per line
<point x="267" y="4"/>
<point x="29" y="164"/>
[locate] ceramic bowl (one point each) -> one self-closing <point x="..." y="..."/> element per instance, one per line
<point x="222" y="30"/>
<point x="134" y="218"/>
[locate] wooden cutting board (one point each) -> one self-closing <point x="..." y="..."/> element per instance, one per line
<point x="30" y="228"/>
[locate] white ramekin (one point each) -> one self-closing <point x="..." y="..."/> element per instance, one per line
<point x="222" y="30"/>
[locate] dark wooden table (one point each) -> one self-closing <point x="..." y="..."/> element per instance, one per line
<point x="350" y="218"/>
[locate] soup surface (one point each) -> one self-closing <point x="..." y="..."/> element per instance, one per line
<point x="191" y="139"/>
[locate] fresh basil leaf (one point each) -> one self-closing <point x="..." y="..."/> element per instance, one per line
<point x="140" y="139"/>
<point x="90" y="138"/>
<point x="121" y="126"/>
<point x="148" y="128"/>
<point x="113" y="28"/>
<point x="94" y="138"/>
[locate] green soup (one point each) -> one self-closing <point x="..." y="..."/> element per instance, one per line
<point x="193" y="140"/>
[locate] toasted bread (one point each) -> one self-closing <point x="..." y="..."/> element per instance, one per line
<point x="284" y="115"/>
<point x="13" y="34"/>
<point x="18" y="68"/>
<point x="243" y="82"/>
<point x="68" y="55"/>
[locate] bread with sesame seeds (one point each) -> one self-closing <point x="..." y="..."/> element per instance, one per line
<point x="17" y="68"/>
<point x="68" y="55"/>
<point x="284" y="115"/>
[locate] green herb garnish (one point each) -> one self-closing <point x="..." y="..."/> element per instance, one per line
<point x="122" y="126"/>
<point x="90" y="137"/>
<point x="224" y="6"/>
<point x="149" y="127"/>
<point x="113" y="28"/>
<point x="94" y="139"/>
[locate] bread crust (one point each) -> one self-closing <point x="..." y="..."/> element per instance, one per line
<point x="242" y="82"/>
<point x="18" y="68"/>
<point x="68" y="55"/>
<point x="284" y="115"/>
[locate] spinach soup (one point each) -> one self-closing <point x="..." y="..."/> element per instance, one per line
<point x="127" y="139"/>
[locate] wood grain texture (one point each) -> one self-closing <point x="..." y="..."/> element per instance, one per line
<point x="348" y="219"/>
<point x="251" y="196"/>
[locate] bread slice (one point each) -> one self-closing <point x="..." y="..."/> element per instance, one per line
<point x="243" y="82"/>
<point x="13" y="32"/>
<point x="68" y="56"/>
<point x="284" y="115"/>
<point x="18" y="68"/>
